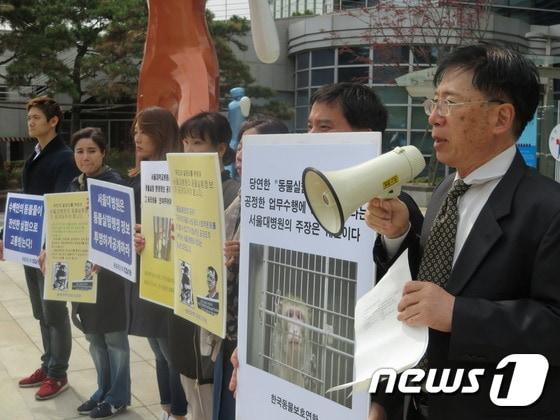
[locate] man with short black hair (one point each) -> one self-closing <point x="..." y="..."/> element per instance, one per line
<point x="349" y="107"/>
<point x="487" y="268"/>
<point x="346" y="107"/>
<point x="49" y="169"/>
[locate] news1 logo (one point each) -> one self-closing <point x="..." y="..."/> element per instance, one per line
<point x="525" y="387"/>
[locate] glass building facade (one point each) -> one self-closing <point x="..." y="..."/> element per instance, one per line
<point x="535" y="12"/>
<point x="377" y="68"/>
<point x="289" y="8"/>
<point x="317" y="63"/>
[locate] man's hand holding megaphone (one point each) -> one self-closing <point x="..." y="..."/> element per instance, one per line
<point x="389" y="217"/>
<point x="423" y="303"/>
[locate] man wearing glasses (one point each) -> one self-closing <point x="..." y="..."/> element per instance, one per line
<point x="487" y="282"/>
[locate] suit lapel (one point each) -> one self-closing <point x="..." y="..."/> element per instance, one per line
<point x="486" y="230"/>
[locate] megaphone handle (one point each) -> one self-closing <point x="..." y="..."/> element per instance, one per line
<point x="392" y="193"/>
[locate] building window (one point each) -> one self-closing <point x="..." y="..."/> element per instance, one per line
<point x="4" y="94"/>
<point x="390" y="95"/>
<point x="302" y="61"/>
<point x="386" y="75"/>
<point x="321" y="58"/>
<point x="302" y="79"/>
<point x="353" y="55"/>
<point x="353" y="74"/>
<point x="322" y="77"/>
<point x="377" y="67"/>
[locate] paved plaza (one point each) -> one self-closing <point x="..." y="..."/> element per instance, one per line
<point x="20" y="352"/>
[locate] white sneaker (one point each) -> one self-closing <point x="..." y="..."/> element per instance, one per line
<point x="165" y="415"/>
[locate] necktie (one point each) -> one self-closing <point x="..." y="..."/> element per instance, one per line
<point x="437" y="260"/>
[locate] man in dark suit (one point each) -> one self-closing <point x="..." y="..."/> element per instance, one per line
<point x="350" y="107"/>
<point x="501" y="293"/>
<point x="49" y="169"/>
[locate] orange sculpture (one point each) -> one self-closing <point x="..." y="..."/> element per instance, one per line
<point x="180" y="68"/>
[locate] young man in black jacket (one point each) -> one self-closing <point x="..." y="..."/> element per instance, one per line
<point x="49" y="169"/>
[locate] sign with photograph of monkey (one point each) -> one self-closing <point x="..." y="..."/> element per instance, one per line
<point x="298" y="285"/>
<point x="299" y="335"/>
<point x="292" y="357"/>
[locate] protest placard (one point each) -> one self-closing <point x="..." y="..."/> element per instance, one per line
<point x="298" y="285"/>
<point x="200" y="280"/>
<point x="23" y="228"/>
<point x="111" y="221"/>
<point x="69" y="273"/>
<point x="156" y="264"/>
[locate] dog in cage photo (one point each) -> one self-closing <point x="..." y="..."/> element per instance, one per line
<point x="300" y="324"/>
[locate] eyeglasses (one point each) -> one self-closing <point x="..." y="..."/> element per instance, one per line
<point x="443" y="106"/>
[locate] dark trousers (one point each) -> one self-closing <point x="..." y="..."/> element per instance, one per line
<point x="169" y="381"/>
<point x="54" y="323"/>
<point x="223" y="401"/>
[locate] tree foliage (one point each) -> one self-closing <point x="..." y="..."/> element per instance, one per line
<point x="418" y="24"/>
<point x="59" y="43"/>
<point x="93" y="48"/>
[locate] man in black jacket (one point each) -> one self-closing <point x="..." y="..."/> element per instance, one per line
<point x="353" y="107"/>
<point x="488" y="253"/>
<point x="49" y="169"/>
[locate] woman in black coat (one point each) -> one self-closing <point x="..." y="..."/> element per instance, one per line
<point x="104" y="322"/>
<point x="155" y="135"/>
<point x="205" y="132"/>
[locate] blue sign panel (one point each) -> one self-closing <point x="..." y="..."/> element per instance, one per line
<point x="23" y="229"/>
<point x="111" y="229"/>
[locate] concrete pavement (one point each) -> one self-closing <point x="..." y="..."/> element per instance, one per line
<point x="21" y="349"/>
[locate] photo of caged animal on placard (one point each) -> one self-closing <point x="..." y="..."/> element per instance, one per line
<point x="301" y="325"/>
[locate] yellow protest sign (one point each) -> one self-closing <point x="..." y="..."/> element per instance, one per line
<point x="69" y="274"/>
<point x="156" y="264"/>
<point x="200" y="276"/>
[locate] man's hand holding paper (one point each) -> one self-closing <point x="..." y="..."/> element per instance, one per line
<point x="426" y="304"/>
<point x="382" y="340"/>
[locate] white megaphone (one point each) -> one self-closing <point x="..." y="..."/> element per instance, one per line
<point x="333" y="196"/>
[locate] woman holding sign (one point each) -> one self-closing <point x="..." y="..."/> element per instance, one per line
<point x="224" y="403"/>
<point x="155" y="135"/>
<point x="190" y="347"/>
<point x="103" y="322"/>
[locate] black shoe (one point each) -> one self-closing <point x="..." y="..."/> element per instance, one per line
<point x="105" y="410"/>
<point x="86" y="407"/>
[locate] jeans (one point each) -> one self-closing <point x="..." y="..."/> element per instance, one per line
<point x="171" y="392"/>
<point x="54" y="323"/>
<point x="111" y="355"/>
<point x="223" y="401"/>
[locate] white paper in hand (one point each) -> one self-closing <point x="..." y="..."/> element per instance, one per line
<point x="382" y="341"/>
